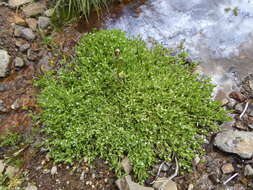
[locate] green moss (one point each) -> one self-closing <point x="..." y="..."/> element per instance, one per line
<point x="118" y="98"/>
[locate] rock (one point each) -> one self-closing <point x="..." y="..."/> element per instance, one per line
<point x="248" y="170"/>
<point x="231" y="104"/>
<point x="18" y="3"/>
<point x="18" y="62"/>
<point x="126" y="183"/>
<point x="32" y="23"/>
<point x="16" y="104"/>
<point x="19" y="21"/>
<point x="196" y="160"/>
<point x="240" y="125"/>
<point x="27" y="34"/>
<point x="31" y="187"/>
<point x="238" y="96"/>
<point x="237" y="142"/>
<point x="34" y="9"/>
<point x="171" y="185"/>
<point x="227" y="168"/>
<point x="82" y="176"/>
<point x="239" y="107"/>
<point x="224" y="102"/>
<point x="4" y="63"/>
<point x="49" y="12"/>
<point x="54" y="170"/>
<point x="2" y="107"/>
<point x="23" y="48"/>
<point x="2" y="166"/>
<point x="190" y="187"/>
<point x="2" y="87"/>
<point x="11" y="171"/>
<point x="126" y="165"/>
<point x="17" y="30"/>
<point x="43" y="22"/>
<point x="44" y="64"/>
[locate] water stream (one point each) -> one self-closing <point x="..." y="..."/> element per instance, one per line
<point x="218" y="33"/>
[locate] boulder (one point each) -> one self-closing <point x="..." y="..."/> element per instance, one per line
<point x="236" y="142"/>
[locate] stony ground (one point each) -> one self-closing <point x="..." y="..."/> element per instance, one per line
<point x="28" y="48"/>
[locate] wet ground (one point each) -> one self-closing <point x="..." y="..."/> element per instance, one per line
<point x="218" y="33"/>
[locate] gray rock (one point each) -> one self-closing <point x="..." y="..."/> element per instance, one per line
<point x="2" y="166"/>
<point x="248" y="170"/>
<point x="170" y="185"/>
<point x="237" y="142"/>
<point x="125" y="163"/>
<point x="34" y="9"/>
<point x="18" y="3"/>
<point x="23" y="48"/>
<point x="27" y="34"/>
<point x="43" y="22"/>
<point x="31" y="187"/>
<point x="4" y="63"/>
<point x="239" y="107"/>
<point x="2" y="107"/>
<point x="126" y="183"/>
<point x="231" y="104"/>
<point x="19" y="62"/>
<point x="11" y="171"/>
<point x="18" y="30"/>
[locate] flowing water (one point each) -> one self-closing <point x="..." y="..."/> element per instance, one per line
<point x="218" y="33"/>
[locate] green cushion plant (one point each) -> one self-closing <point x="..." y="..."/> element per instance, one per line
<point x="118" y="98"/>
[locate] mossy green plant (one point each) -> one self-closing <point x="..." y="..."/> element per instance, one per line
<point x="118" y="98"/>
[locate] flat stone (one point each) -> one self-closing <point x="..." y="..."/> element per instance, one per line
<point x="126" y="165"/>
<point x="43" y="22"/>
<point x="34" y="9"/>
<point x="11" y="171"/>
<point x="32" y="23"/>
<point x="236" y="142"/>
<point x="126" y="183"/>
<point x="248" y="170"/>
<point x="18" y="3"/>
<point x="2" y="166"/>
<point x="19" y="62"/>
<point x="4" y="63"/>
<point x="227" y="168"/>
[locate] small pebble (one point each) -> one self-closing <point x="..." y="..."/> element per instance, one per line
<point x="227" y="168"/>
